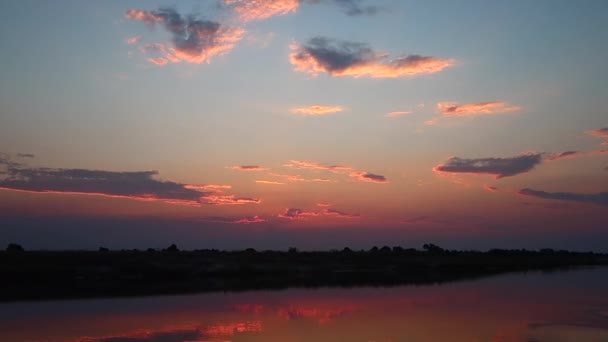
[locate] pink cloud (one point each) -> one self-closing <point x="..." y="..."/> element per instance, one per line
<point x="490" y="188"/>
<point x="219" y="199"/>
<point x="160" y="61"/>
<point x="296" y="214"/>
<point x="567" y="154"/>
<point x="298" y="178"/>
<point x="317" y="110"/>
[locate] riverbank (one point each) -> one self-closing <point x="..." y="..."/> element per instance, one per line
<point x="41" y="275"/>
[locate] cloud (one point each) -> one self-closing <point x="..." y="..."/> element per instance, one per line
<point x="317" y="110"/>
<point x="474" y="109"/>
<point x="298" y="178"/>
<point x="26" y="155"/>
<point x="250" y="10"/>
<point x="133" y="40"/>
<point x="302" y="164"/>
<point x="490" y="188"/>
<point x="340" y="214"/>
<point x="219" y="199"/>
<point x="343" y="58"/>
<point x="395" y="114"/>
<point x="500" y="167"/>
<point x="193" y="40"/>
<point x="324" y="204"/>
<point x="269" y="182"/>
<point x="296" y="214"/>
<point x="247" y="220"/>
<point x="567" y="154"/>
<point x="600" y="198"/>
<point x="262" y="9"/>
<point x="135" y="185"/>
<point x="158" y="61"/>
<point x="354" y="8"/>
<point x="368" y="177"/>
<point x="601" y="133"/>
<point x="247" y="168"/>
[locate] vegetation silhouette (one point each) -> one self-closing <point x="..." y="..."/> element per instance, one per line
<point x="103" y="273"/>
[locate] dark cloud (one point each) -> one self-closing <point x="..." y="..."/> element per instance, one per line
<point x="138" y="185"/>
<point x="25" y="155"/>
<point x="600" y="198"/>
<point x="500" y="167"/>
<point x="194" y="40"/>
<point x="344" y="58"/>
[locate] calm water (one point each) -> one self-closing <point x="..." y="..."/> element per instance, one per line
<point x="563" y="306"/>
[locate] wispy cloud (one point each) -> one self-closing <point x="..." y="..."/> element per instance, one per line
<point x="247" y="168"/>
<point x="499" y="167"/>
<point x="262" y="9"/>
<point x="310" y="165"/>
<point x="368" y="177"/>
<point x="490" y="188"/>
<point x="398" y="113"/>
<point x="601" y="133"/>
<point x="133" y="40"/>
<point x="26" y="155"/>
<point x="193" y="40"/>
<point x="340" y="214"/>
<point x="343" y="58"/>
<point x="296" y="214"/>
<point x="317" y="110"/>
<point x="600" y="198"/>
<point x="298" y="178"/>
<point x="249" y="10"/>
<point x="249" y="220"/>
<point x="269" y="182"/>
<point x="474" y="109"/>
<point x="567" y="154"/>
<point x="221" y="199"/>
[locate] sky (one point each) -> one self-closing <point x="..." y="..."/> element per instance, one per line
<point x="316" y="124"/>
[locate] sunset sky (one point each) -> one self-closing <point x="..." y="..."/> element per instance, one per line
<point x="309" y="123"/>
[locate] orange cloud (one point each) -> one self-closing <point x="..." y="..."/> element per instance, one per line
<point x="342" y="58"/>
<point x="473" y="109"/>
<point x="368" y="177"/>
<point x="395" y="114"/>
<point x="269" y="182"/>
<point x="215" y="187"/>
<point x="317" y="110"/>
<point x="262" y="9"/>
<point x="296" y="214"/>
<point x="247" y="168"/>
<point x="302" y="164"/>
<point x="194" y="40"/>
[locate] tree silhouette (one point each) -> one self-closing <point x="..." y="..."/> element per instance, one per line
<point x="13" y="247"/>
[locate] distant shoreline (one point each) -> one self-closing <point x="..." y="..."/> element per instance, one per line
<point x="43" y="275"/>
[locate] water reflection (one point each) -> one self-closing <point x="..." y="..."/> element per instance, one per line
<point x="568" y="306"/>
